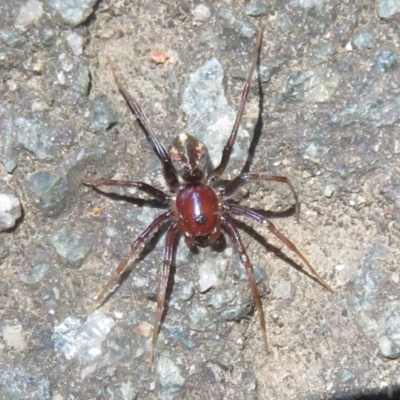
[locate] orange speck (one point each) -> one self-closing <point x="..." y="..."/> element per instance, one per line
<point x="145" y="329"/>
<point x="159" y="57"/>
<point x="96" y="210"/>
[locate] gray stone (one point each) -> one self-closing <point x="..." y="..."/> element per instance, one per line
<point x="329" y="190"/>
<point x="47" y="191"/>
<point x="185" y="291"/>
<point x="364" y="40"/>
<point x="72" y="245"/>
<point x="246" y="29"/>
<point x="242" y="307"/>
<point x="201" y="12"/>
<point x="2" y="249"/>
<point x="347" y="376"/>
<point x="75" y="42"/>
<point x="80" y="79"/>
<point x="209" y="116"/>
<point x="35" y="274"/>
<point x="200" y="319"/>
<point x="29" y="14"/>
<point x="77" y="339"/>
<point x="104" y="115"/>
<point x="169" y="373"/>
<point x="35" y="136"/>
<point x="388" y="8"/>
<point x="73" y="12"/>
<point x="385" y="61"/>
<point x="221" y="298"/>
<point x="11" y="38"/>
<point x="212" y="273"/>
<point x="388" y="348"/>
<point x="18" y="380"/>
<point x="312" y="86"/>
<point x="256" y="9"/>
<point x="181" y="333"/>
<point x="9" y="137"/>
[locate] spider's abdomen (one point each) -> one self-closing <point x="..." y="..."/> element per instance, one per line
<point x="198" y="207"/>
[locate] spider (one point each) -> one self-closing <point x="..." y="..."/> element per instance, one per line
<point x="196" y="210"/>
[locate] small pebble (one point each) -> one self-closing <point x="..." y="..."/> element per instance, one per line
<point x="388" y="348"/>
<point x="75" y="42"/>
<point x="145" y="329"/>
<point x="240" y="309"/>
<point x="312" y="152"/>
<point x="347" y="376"/>
<point x="200" y="319"/>
<point x="10" y="208"/>
<point x="218" y="299"/>
<point x="328" y="190"/>
<point x="11" y="38"/>
<point x="29" y="14"/>
<point x="388" y="8"/>
<point x="104" y="115"/>
<point x="201" y="12"/>
<point x="34" y="275"/>
<point x="312" y="86"/>
<point x="256" y="9"/>
<point x="211" y="273"/>
<point x="364" y="40"/>
<point x="385" y="61"/>
<point x="169" y="373"/>
<point x="13" y="337"/>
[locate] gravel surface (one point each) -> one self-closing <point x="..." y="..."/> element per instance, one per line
<point x="330" y="110"/>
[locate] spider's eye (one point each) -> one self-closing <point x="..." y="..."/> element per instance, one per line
<point x="201" y="219"/>
<point x="189" y="157"/>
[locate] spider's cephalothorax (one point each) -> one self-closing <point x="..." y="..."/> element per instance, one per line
<point x="195" y="209"/>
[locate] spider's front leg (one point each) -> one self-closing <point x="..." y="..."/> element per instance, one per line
<point x="237" y="209"/>
<point x="143" y="237"/>
<point x="161" y="151"/>
<point x="240" y="180"/>
<point x="144" y="187"/>
<point x="226" y="153"/>
<point x="229" y="227"/>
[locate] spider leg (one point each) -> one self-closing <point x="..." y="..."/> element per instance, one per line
<point x="160" y="149"/>
<point x="143" y="237"/>
<point x="166" y="267"/>
<point x="246" y="212"/>
<point x="144" y="187"/>
<point x="229" y="226"/>
<point x="236" y="183"/>
<point x="226" y="154"/>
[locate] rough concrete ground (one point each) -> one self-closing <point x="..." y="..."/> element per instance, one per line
<point x="330" y="87"/>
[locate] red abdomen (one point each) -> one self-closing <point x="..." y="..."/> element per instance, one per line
<point x="198" y="208"/>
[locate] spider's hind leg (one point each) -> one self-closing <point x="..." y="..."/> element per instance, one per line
<point x="229" y="227"/>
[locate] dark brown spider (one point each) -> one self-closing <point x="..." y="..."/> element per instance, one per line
<point x="196" y="210"/>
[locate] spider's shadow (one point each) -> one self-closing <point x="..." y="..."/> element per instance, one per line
<point x="259" y="124"/>
<point x="149" y="246"/>
<point x="252" y="232"/>
<point x="130" y="199"/>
